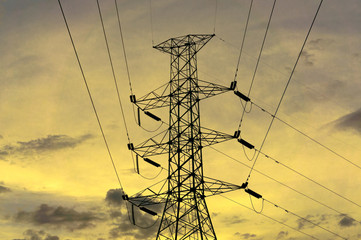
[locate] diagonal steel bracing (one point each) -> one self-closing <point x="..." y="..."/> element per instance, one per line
<point x="185" y="214"/>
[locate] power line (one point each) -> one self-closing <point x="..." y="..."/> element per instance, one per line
<point x="126" y="59"/>
<point x="275" y="180"/>
<point x="273" y="219"/>
<point x="291" y="126"/>
<point x="243" y="40"/>
<point x="304" y="219"/>
<point x="307" y="136"/>
<point x="112" y="67"/>
<point x="304" y="176"/>
<point x="284" y="91"/>
<point x="90" y="96"/>
<point x="259" y="57"/>
<point x="123" y="46"/>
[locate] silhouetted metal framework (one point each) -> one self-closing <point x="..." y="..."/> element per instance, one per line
<point x="185" y="214"/>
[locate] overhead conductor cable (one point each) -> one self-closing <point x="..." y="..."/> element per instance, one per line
<point x="286" y="87"/>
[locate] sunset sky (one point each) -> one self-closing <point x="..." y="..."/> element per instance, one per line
<point x="56" y="177"/>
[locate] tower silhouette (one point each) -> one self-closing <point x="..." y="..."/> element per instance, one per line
<point x="185" y="214"/>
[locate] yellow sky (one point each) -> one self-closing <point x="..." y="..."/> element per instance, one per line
<point x="55" y="171"/>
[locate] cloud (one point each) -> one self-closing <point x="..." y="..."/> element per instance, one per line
<point x="145" y="225"/>
<point x="307" y="58"/>
<point x="114" y="197"/>
<point x="233" y="220"/>
<point x="350" y="121"/>
<point x="41" y="145"/>
<point x="4" y="189"/>
<point x="319" y="43"/>
<point x="282" y="235"/>
<point x="31" y="234"/>
<point x="245" y="235"/>
<point x="59" y="217"/>
<point x="346" y="221"/>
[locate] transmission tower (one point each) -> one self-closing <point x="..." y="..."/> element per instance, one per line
<point x="183" y="193"/>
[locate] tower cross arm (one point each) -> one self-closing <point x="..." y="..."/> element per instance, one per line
<point x="210" y="137"/>
<point x="215" y="187"/>
<point x="157" y="98"/>
<point x="208" y="89"/>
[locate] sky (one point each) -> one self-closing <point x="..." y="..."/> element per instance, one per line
<point x="56" y="178"/>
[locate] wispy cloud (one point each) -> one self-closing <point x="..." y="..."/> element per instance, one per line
<point x="42" y="145"/>
<point x="319" y="43"/>
<point x="308" y="58"/>
<point x="250" y="236"/>
<point x="233" y="220"/>
<point x="282" y="235"/>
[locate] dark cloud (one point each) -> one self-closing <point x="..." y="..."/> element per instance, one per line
<point x="40" y="145"/>
<point x="233" y="220"/>
<point x="114" y="197"/>
<point x="307" y="58"/>
<point x="309" y="219"/>
<point x="282" y="235"/>
<point x="347" y="221"/>
<point x="31" y="234"/>
<point x="145" y="225"/>
<point x="59" y="217"/>
<point x="350" y="121"/>
<point x="1" y="137"/>
<point x="4" y="189"/>
<point x="245" y="235"/>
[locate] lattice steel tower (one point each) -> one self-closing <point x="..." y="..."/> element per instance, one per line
<point x="183" y="194"/>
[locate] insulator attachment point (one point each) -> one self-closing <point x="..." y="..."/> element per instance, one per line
<point x="125" y="197"/>
<point x="130" y="146"/>
<point x="233" y="85"/>
<point x="244" y="185"/>
<point x="237" y="133"/>
<point x="133" y="99"/>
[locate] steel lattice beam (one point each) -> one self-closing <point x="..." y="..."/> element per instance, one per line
<point x="185" y="214"/>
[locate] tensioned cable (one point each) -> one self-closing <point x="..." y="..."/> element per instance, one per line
<point x="294" y="128"/>
<point x="258" y="60"/>
<point x="307" y="136"/>
<point x="286" y="87"/>
<point x="126" y="59"/>
<point x="112" y="67"/>
<point x="243" y="40"/>
<point x="304" y="219"/>
<point x="310" y="179"/>
<point x="280" y="72"/>
<point x="123" y="46"/>
<point x="275" y="180"/>
<point x="282" y="223"/>
<point x="90" y="96"/>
